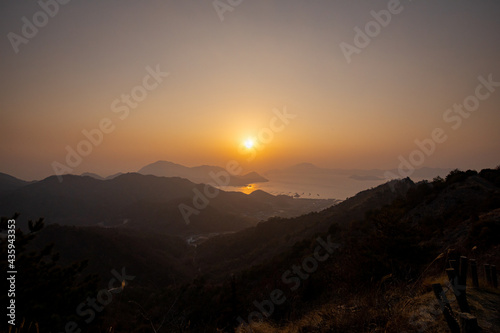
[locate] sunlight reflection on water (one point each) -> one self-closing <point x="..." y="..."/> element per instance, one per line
<point x="311" y="186"/>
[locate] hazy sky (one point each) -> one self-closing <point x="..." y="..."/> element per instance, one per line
<point x="227" y="76"/>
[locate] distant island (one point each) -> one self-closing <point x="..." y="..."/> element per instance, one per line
<point x="198" y="174"/>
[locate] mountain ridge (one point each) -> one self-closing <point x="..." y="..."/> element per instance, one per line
<point x="198" y="174"/>
<point x="146" y="201"/>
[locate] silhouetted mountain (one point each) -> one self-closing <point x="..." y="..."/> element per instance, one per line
<point x="114" y="175"/>
<point x="261" y="195"/>
<point x="199" y="174"/>
<point x="93" y="175"/>
<point x="96" y="176"/>
<point x="150" y="202"/>
<point x="251" y="177"/>
<point x="9" y="183"/>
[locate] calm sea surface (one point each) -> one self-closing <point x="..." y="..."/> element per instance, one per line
<point x="310" y="186"/>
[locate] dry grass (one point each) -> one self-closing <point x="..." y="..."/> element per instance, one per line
<point x="421" y="313"/>
<point x="32" y="327"/>
<point x="425" y="315"/>
<point x="357" y="316"/>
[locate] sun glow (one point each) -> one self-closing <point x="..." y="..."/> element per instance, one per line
<point x="248" y="143"/>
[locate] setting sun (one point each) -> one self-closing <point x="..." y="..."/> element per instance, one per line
<point x="248" y="143"/>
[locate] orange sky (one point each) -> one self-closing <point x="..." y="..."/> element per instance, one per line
<point x="226" y="78"/>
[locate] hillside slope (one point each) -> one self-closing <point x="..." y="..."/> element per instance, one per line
<point x="9" y="183"/>
<point x="379" y="278"/>
<point x="256" y="244"/>
<point x="147" y="202"/>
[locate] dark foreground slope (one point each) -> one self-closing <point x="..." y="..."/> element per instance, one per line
<point x="156" y="260"/>
<point x="390" y="244"/>
<point x="379" y="277"/>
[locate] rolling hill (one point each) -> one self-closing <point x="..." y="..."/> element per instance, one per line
<point x="199" y="174"/>
<point x="147" y="202"/>
<point x="9" y="183"/>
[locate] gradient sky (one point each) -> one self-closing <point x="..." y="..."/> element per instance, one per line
<point x="225" y="78"/>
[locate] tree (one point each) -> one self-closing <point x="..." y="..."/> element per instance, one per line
<point x="46" y="292"/>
